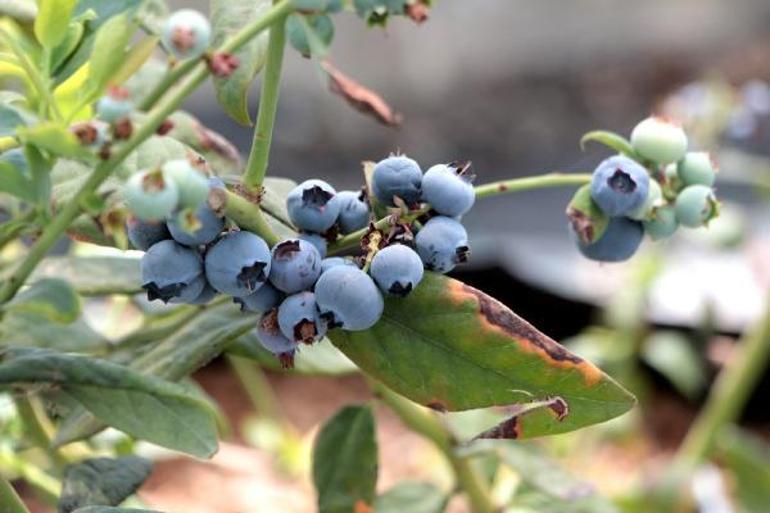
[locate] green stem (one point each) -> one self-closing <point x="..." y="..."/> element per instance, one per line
<point x="71" y="210"/>
<point x="248" y="216"/>
<point x="729" y="393"/>
<point x="353" y="239"/>
<point x="171" y="78"/>
<point x="38" y="428"/>
<point x="256" y="165"/>
<point x="532" y="182"/>
<point x="425" y="423"/>
<point x="47" y="487"/>
<point x="9" y="143"/>
<point x="10" y="502"/>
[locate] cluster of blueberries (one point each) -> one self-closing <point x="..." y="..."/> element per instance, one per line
<point x="191" y="255"/>
<point x="656" y="189"/>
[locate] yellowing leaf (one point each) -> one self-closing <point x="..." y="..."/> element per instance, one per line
<point x="72" y="94"/>
<point x="135" y="59"/>
<point x="52" y="21"/>
<point x="52" y="137"/>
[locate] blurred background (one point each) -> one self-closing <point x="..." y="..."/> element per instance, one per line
<point x="512" y="85"/>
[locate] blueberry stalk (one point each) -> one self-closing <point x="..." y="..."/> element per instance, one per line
<point x="248" y="216"/>
<point x="353" y="239"/>
<point x="532" y="182"/>
<point x="424" y="422"/>
<point x="171" y="78"/>
<point x="10" y="501"/>
<point x="155" y="118"/>
<point x="256" y="165"/>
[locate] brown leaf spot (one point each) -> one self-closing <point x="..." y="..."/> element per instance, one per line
<point x="560" y="407"/>
<point x="507" y="430"/>
<point x="165" y="127"/>
<point x="360" y="97"/>
<point x="582" y="225"/>
<point x="437" y="405"/>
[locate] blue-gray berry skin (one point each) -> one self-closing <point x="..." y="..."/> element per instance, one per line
<point x="397" y="176"/>
<point x="397" y="270"/>
<point x="662" y="224"/>
<point x="442" y="243"/>
<point x="207" y="294"/>
<point x="619" y="185"/>
<point x="618" y="243"/>
<point x="328" y="263"/>
<point x="143" y="234"/>
<point x="449" y="188"/>
<point x="265" y="298"/>
<point x="209" y="226"/>
<point x="354" y="211"/>
<point x="170" y="270"/>
<point x="348" y="298"/>
<point x="299" y="319"/>
<point x="318" y="242"/>
<point x="111" y="108"/>
<point x="186" y="34"/>
<point x="271" y="338"/>
<point x="238" y="263"/>
<point x="295" y="267"/>
<point x="313" y="206"/>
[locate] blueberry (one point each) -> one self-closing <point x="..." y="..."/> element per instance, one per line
<point x="143" y="234"/>
<point x="271" y="338"/>
<point x="238" y="264"/>
<point x="619" y="185"/>
<point x="659" y="140"/>
<point x="207" y="294"/>
<point x="697" y="168"/>
<point x="170" y="270"/>
<point x="397" y="270"/>
<point x="150" y="195"/>
<point x="318" y="242"/>
<point x="114" y="105"/>
<point x="299" y="320"/>
<point x="191" y="184"/>
<point x="619" y="241"/>
<point x="654" y="199"/>
<point x="696" y="205"/>
<point x="348" y="298"/>
<point x="328" y="263"/>
<point x="186" y="34"/>
<point x="313" y="206"/>
<point x="321" y="26"/>
<point x="662" y="224"/>
<point x="262" y="300"/>
<point x="296" y="266"/>
<point x="354" y="211"/>
<point x="442" y="243"/>
<point x="194" y="228"/>
<point x="449" y="189"/>
<point x="397" y="176"/>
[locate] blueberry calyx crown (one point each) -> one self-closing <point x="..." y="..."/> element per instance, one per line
<point x="183" y="38"/>
<point x="621" y="182"/>
<point x="316" y="197"/>
<point x="397" y="289"/>
<point x="163" y="293"/>
<point x="461" y="254"/>
<point x="153" y="181"/>
<point x="306" y="331"/>
<point x="286" y="249"/>
<point x="462" y="168"/>
<point x="251" y="275"/>
<point x="330" y="320"/>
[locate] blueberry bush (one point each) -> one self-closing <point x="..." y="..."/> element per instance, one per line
<point x="238" y="262"/>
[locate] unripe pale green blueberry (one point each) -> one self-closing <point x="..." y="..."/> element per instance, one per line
<point x="696" y="205"/>
<point x="191" y="184"/>
<point x="654" y="198"/>
<point x="662" y="224"/>
<point x="697" y="168"/>
<point x="659" y="140"/>
<point x="187" y="33"/>
<point x="150" y="195"/>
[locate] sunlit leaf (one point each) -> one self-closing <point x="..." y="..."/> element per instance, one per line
<point x="52" y="21"/>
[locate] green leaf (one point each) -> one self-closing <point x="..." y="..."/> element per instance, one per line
<point x="52" y="21"/>
<point x="152" y="15"/>
<point x="319" y="359"/>
<point x="746" y="457"/>
<point x="612" y="140"/>
<point x="94" y="275"/>
<point x="10" y="119"/>
<point x="145" y="407"/>
<point x="31" y="330"/>
<point x="451" y="347"/>
<point x="135" y="58"/>
<point x="51" y="298"/>
<point x="52" y="137"/>
<point x="671" y="354"/>
<point x="102" y="482"/>
<point x="40" y="174"/>
<point x="109" y="509"/>
<point x="227" y="17"/>
<point x="345" y="461"/>
<point x="109" y="51"/>
<point x="310" y="34"/>
<point x="15" y="181"/>
<point x="411" y="497"/>
<point x="221" y="154"/>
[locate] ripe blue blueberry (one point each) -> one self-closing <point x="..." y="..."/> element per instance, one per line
<point x="618" y="243"/>
<point x="354" y="211"/>
<point x="696" y="205"/>
<point x="262" y="300"/>
<point x="662" y="224"/>
<point x="449" y="189"/>
<point x="114" y="105"/>
<point x="659" y="140"/>
<point x="143" y="234"/>
<point x="296" y="266"/>
<point x="397" y="270"/>
<point x="186" y="34"/>
<point x="313" y="206"/>
<point x="328" y="263"/>
<point x="697" y="168"/>
<point x="170" y="270"/>
<point x="150" y="195"/>
<point x="271" y="338"/>
<point x="442" y="243"/>
<point x="397" y="176"/>
<point x="238" y="264"/>
<point x="348" y="298"/>
<point x="192" y="185"/>
<point x="619" y="185"/>
<point x="318" y="242"/>
<point x="299" y="319"/>
<point x="207" y="294"/>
